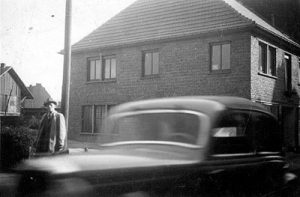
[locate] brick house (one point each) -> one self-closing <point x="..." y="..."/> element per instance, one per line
<point x="12" y="93"/>
<point x="173" y="48"/>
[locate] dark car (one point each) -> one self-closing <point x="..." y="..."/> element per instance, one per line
<point x="183" y="146"/>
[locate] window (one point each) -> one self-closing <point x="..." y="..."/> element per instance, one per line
<point x="288" y="73"/>
<point x="232" y="134"/>
<point x="220" y="57"/>
<point x="94" y="69"/>
<point x="246" y="132"/>
<point x="267" y="59"/>
<point x="93" y="117"/>
<point x="101" y="70"/>
<point x="109" y="67"/>
<point x="87" y="119"/>
<point x="154" y="126"/>
<point x="272" y="61"/>
<point x="100" y="114"/>
<point x="150" y="63"/>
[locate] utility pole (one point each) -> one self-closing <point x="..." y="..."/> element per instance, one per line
<point x="67" y="63"/>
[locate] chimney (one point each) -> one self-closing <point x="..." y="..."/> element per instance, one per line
<point x="2" y="68"/>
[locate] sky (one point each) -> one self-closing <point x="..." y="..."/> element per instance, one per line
<point x="32" y="34"/>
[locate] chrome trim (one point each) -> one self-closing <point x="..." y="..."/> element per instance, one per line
<point x="233" y="154"/>
<point x="152" y="143"/>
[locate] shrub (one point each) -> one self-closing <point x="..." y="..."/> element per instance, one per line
<point x="15" y="143"/>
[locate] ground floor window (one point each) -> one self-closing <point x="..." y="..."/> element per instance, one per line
<point x="93" y="117"/>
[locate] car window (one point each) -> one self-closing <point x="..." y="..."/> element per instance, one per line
<point x="175" y="127"/>
<point x="246" y="132"/>
<point x="233" y="133"/>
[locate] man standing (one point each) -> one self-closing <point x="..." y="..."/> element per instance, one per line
<point x="52" y="131"/>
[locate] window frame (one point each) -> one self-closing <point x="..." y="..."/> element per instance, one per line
<point x="83" y="119"/>
<point x="267" y="62"/>
<point x="152" y="65"/>
<point x="89" y="60"/>
<point x="99" y="128"/>
<point x="220" y="69"/>
<point x="94" y="130"/>
<point x="287" y="58"/>
<point x="104" y="67"/>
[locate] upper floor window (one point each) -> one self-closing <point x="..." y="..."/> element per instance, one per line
<point x="267" y="59"/>
<point x="150" y="63"/>
<point x="287" y="62"/>
<point x="94" y="69"/>
<point x="220" y="56"/>
<point x="109" y="67"/>
<point x="101" y="69"/>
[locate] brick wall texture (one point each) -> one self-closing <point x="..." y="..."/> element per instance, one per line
<point x="184" y="69"/>
<point x="271" y="89"/>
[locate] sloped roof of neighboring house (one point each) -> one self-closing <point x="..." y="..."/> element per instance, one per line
<point x="150" y="20"/>
<point x="24" y="90"/>
<point x="40" y="96"/>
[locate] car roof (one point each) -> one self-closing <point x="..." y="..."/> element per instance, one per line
<point x="205" y="104"/>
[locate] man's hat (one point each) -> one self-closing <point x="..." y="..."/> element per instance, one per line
<point x="48" y="101"/>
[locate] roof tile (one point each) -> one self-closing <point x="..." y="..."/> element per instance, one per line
<point x="147" y="20"/>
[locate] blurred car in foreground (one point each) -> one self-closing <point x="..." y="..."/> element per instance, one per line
<point x="183" y="146"/>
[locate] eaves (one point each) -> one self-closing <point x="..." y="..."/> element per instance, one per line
<point x="217" y="32"/>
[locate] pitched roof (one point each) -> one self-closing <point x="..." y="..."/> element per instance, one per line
<point x="40" y="95"/>
<point x="24" y="90"/>
<point x="5" y="69"/>
<point x="149" y="20"/>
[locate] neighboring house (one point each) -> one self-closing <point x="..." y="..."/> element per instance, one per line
<point x="173" y="48"/>
<point x="12" y="93"/>
<point x="34" y="109"/>
<point x="40" y="96"/>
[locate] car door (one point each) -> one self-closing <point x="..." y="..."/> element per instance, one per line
<point x="240" y="162"/>
<point x="268" y="146"/>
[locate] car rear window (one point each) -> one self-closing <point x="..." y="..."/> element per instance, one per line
<point x="174" y="127"/>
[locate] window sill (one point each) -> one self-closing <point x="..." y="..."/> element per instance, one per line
<point x="227" y="71"/>
<point x="267" y="75"/>
<point x="102" y="81"/>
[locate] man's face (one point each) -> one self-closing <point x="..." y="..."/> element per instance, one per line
<point x="50" y="107"/>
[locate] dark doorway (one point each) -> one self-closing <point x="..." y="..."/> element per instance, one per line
<point x="289" y="127"/>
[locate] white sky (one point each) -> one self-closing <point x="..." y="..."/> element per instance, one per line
<point x="32" y="34"/>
